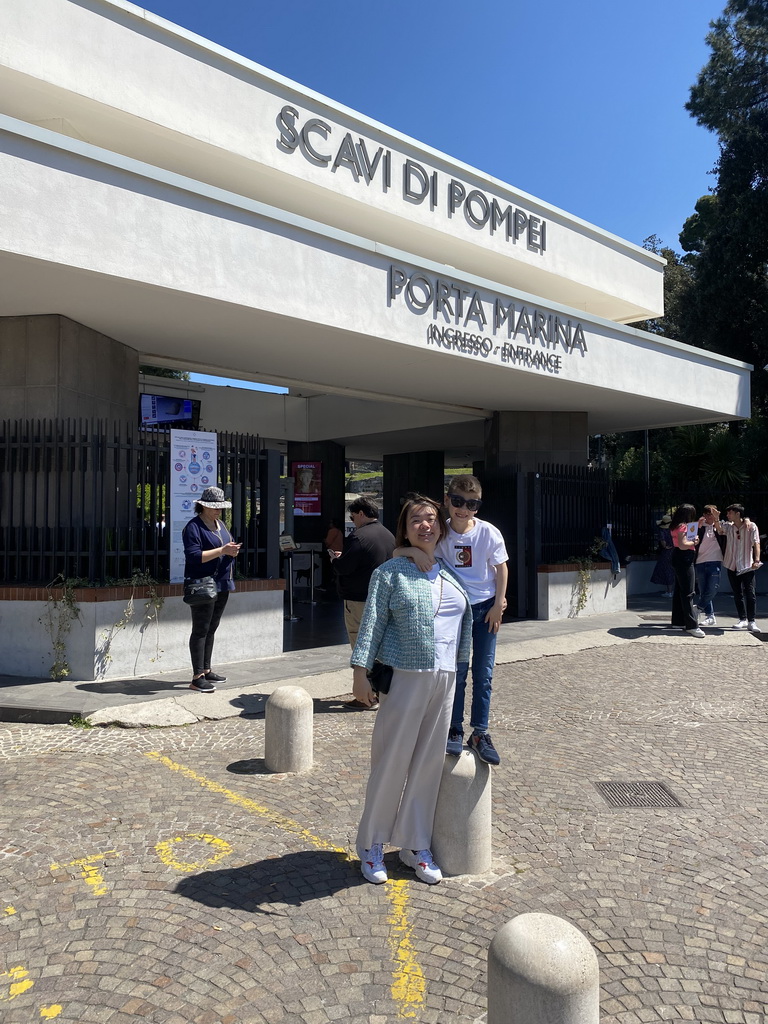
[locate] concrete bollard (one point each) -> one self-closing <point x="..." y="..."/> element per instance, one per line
<point x="288" y="730"/>
<point x="542" y="970"/>
<point x="461" y="836"/>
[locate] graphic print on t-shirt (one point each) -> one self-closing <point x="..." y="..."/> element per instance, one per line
<point x="462" y="556"/>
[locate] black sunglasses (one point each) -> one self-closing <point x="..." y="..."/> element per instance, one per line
<point x="473" y="504"/>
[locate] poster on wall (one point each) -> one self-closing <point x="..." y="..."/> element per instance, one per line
<point x="308" y="488"/>
<point x="193" y="468"/>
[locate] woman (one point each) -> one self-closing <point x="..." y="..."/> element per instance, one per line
<point x="663" y="573"/>
<point x="334" y="539"/>
<point x="683" y="558"/>
<point x="420" y="623"/>
<point x="709" y="558"/>
<point x="208" y="551"/>
<point x="742" y="560"/>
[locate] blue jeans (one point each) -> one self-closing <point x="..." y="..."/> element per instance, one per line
<point x="483" y="658"/>
<point x="708" y="583"/>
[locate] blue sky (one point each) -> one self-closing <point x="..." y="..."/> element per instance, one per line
<point x="579" y="104"/>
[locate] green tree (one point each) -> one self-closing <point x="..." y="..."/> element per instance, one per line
<point x="727" y="309"/>
<point x="678" y="281"/>
<point x="164" y="371"/>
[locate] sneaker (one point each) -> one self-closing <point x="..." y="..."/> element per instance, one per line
<point x="741" y="624"/>
<point x="213" y="678"/>
<point x="202" y="686"/>
<point x="753" y="627"/>
<point x="372" y="864"/>
<point x="455" y="741"/>
<point x="710" y="620"/>
<point x="482" y="745"/>
<point x="695" y="632"/>
<point x="423" y="864"/>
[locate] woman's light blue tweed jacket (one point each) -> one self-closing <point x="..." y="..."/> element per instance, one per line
<point x="397" y="627"/>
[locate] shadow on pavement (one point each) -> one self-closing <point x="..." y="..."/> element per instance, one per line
<point x="138" y="687"/>
<point x="292" y="879"/>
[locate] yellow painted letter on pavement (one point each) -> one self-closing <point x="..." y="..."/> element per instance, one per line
<point x="17" y="980"/>
<point x="165" y="851"/>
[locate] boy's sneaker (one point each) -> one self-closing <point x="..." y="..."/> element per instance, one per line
<point x="202" y="686"/>
<point x="741" y="624"/>
<point x="455" y="741"/>
<point x="423" y="864"/>
<point x="372" y="864"/>
<point x="696" y="632"/>
<point x="709" y="620"/>
<point x="753" y="627"/>
<point x="483" y="746"/>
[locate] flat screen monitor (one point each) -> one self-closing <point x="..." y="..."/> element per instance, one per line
<point x="168" y="411"/>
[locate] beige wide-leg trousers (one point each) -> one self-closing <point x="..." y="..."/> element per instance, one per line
<point x="407" y="757"/>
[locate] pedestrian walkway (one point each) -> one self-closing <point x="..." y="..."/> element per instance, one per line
<point x="165" y="875"/>
<point x="164" y="699"/>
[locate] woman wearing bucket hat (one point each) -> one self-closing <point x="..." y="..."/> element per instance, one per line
<point x="663" y="573"/>
<point x="208" y="551"/>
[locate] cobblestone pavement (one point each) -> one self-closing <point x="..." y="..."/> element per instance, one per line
<point x="163" y="875"/>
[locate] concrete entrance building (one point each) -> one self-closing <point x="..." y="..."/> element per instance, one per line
<point x="165" y="201"/>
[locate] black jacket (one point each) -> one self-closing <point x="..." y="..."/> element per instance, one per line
<point x="364" y="550"/>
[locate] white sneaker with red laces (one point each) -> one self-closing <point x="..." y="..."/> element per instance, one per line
<point x="423" y="864"/>
<point x="372" y="864"/>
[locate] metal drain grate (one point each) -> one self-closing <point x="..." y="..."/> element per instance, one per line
<point x="637" y="794"/>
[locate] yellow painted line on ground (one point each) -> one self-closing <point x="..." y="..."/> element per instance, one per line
<point x="9" y="910"/>
<point x="88" y="871"/>
<point x="165" y="851"/>
<point x="49" y="1012"/>
<point x="408" y="984"/>
<point x="13" y="983"/>
<point x="247" y="804"/>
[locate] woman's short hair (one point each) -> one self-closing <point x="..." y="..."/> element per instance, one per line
<point x="735" y="508"/>
<point x="410" y="503"/>
<point x="683" y="514"/>
<point x="198" y="508"/>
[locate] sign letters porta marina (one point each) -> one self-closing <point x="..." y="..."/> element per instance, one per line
<point x="513" y="333"/>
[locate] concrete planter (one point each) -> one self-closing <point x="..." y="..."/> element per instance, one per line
<point x="559" y="591"/>
<point x="252" y="627"/>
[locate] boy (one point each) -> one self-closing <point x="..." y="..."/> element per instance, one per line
<point x="476" y="552"/>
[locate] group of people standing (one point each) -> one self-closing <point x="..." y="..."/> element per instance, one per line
<point x="416" y="603"/>
<point x="440" y="596"/>
<point x="696" y="549"/>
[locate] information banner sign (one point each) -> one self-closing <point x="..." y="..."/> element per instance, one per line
<point x="308" y="487"/>
<point x="193" y="468"/>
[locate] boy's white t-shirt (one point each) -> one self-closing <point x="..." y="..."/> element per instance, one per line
<point x="473" y="556"/>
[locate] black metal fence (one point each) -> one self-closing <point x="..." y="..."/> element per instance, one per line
<point x="89" y="500"/>
<point x="575" y="503"/>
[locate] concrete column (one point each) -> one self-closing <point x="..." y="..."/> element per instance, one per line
<point x="461" y="837"/>
<point x="530" y="438"/>
<point x="307" y="529"/>
<point x="52" y="367"/>
<point x="542" y="970"/>
<point x="423" y="472"/>
<point x="288" y="730"/>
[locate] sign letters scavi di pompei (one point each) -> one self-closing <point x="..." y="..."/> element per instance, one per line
<point x="489" y="327"/>
<point x="324" y="145"/>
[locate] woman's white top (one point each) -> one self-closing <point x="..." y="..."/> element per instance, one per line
<point x="449" y="605"/>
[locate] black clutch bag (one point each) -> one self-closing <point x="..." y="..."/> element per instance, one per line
<point x="380" y="677"/>
<point x="200" y="591"/>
